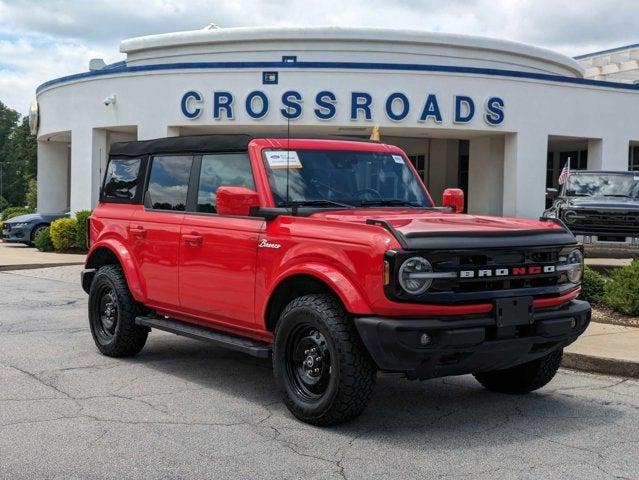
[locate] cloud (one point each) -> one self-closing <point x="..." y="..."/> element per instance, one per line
<point x="44" y="39"/>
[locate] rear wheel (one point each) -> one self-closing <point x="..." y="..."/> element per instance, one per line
<point x="35" y="232"/>
<point x="522" y="378"/>
<point x="112" y="312"/>
<point x="320" y="363"/>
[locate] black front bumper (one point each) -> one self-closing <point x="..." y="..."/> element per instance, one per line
<point x="469" y="344"/>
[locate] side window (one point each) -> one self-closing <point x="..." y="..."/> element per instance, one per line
<point x="121" y="179"/>
<point x="224" y="169"/>
<point x="169" y="182"/>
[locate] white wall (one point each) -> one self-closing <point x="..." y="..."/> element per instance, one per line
<point x="53" y="176"/>
<point x="486" y="175"/>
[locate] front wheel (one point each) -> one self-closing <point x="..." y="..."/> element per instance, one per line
<point x="112" y="312"/>
<point x="522" y="378"/>
<point x="320" y="362"/>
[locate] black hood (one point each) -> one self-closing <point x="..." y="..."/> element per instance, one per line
<point x="624" y="203"/>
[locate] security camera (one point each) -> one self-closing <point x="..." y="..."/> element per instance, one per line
<point x="110" y="100"/>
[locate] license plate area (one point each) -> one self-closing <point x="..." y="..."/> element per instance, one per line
<point x="515" y="311"/>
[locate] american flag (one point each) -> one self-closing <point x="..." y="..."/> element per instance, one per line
<point x="565" y="173"/>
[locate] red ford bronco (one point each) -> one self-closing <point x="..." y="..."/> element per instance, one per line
<point x="330" y="257"/>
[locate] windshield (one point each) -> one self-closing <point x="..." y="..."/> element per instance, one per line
<point x="342" y="178"/>
<point x="601" y="185"/>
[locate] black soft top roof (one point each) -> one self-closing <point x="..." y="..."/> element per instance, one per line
<point x="204" y="144"/>
<point x="186" y="144"/>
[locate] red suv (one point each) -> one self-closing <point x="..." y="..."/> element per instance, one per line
<point x="330" y="257"/>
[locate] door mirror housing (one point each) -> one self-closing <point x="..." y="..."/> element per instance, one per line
<point x="552" y="192"/>
<point x="454" y="198"/>
<point x="237" y="201"/>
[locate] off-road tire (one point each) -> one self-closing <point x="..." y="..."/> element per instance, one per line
<point x="351" y="375"/>
<point x="522" y="378"/>
<point x="127" y="338"/>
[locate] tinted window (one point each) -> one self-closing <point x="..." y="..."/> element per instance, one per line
<point x="169" y="182"/>
<point x="121" y="180"/>
<point x="230" y="170"/>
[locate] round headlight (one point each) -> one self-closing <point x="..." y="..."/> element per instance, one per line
<point x="411" y="275"/>
<point x="570" y="216"/>
<point x="575" y="264"/>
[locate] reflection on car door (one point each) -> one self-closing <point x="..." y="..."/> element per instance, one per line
<point x="218" y="253"/>
<point x="154" y="231"/>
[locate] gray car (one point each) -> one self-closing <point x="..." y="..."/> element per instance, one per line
<point x="23" y="229"/>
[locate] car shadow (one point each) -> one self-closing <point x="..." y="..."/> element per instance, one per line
<point x="435" y="412"/>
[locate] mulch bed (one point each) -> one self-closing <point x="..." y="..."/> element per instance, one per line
<point x="605" y="315"/>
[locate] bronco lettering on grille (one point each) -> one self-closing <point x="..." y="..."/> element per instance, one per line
<point x="508" y="272"/>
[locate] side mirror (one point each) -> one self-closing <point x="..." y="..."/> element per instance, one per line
<point x="552" y="192"/>
<point x="454" y="198"/>
<point x="236" y="201"/>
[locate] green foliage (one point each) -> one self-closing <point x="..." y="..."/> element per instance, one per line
<point x="63" y="231"/>
<point x="3" y="204"/>
<point x="42" y="241"/>
<point x="31" y="196"/>
<point x="81" y="229"/>
<point x="12" y="212"/>
<point x="592" y="286"/>
<point x="622" y="290"/>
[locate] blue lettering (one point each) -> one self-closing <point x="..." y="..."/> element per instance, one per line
<point x="184" y="104"/>
<point x="494" y="111"/>
<point x="361" y="101"/>
<point x="222" y="101"/>
<point x="249" y="104"/>
<point x="431" y="109"/>
<point x="293" y="104"/>
<point x="467" y="104"/>
<point x="326" y="108"/>
<point x="401" y="98"/>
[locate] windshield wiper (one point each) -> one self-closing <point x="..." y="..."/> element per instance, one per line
<point x="390" y="203"/>
<point x="617" y="195"/>
<point x="319" y="203"/>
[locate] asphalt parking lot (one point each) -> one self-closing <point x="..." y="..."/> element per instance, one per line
<point x="184" y="409"/>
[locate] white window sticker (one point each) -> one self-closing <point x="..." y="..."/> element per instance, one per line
<point x="398" y="159"/>
<point x="281" y="159"/>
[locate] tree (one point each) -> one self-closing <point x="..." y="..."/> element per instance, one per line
<point x="20" y="157"/>
<point x="8" y="121"/>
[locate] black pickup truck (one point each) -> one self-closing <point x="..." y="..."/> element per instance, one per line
<point x="602" y="209"/>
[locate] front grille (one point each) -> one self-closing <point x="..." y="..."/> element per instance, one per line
<point x="487" y="288"/>
<point x="603" y="222"/>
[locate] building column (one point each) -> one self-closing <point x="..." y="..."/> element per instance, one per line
<point x="610" y="153"/>
<point x="150" y="131"/>
<point x="486" y="175"/>
<point x="53" y="177"/>
<point x="88" y="145"/>
<point x="443" y="166"/>
<point x="524" y="184"/>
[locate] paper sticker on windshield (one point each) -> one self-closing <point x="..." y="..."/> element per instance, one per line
<point x="398" y="159"/>
<point x="281" y="159"/>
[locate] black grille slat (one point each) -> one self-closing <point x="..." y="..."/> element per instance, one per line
<point x="595" y="221"/>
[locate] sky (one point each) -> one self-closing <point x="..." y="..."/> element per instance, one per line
<point x="45" y="39"/>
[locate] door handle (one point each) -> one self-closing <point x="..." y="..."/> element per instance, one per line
<point x="138" y="232"/>
<point x="192" y="239"/>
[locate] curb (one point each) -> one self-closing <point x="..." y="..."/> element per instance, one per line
<point x="603" y="365"/>
<point x="32" y="266"/>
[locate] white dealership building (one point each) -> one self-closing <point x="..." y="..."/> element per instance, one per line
<point x="496" y="118"/>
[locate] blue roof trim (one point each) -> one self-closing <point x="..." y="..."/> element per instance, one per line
<point x="121" y="67"/>
<point x="604" y="52"/>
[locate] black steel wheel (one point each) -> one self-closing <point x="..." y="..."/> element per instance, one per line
<point x="320" y="363"/>
<point x="112" y="312"/>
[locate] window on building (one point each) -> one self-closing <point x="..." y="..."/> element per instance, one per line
<point x="419" y="162"/>
<point x="169" y="182"/>
<point x="578" y="159"/>
<point x="462" y="174"/>
<point x="122" y="179"/>
<point x="633" y="159"/>
<point x="550" y="170"/>
<point x="229" y="169"/>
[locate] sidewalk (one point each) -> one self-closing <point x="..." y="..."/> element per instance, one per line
<point x="607" y="262"/>
<point x="603" y="348"/>
<point x="17" y="256"/>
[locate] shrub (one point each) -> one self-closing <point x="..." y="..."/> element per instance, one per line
<point x="592" y="286"/>
<point x="81" y="229"/>
<point x="622" y="290"/>
<point x="12" y="212"/>
<point x="32" y="194"/>
<point x="42" y="241"/>
<point x="3" y="204"/>
<point x="62" y="233"/>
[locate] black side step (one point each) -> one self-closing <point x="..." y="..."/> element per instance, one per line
<point x="232" y="342"/>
